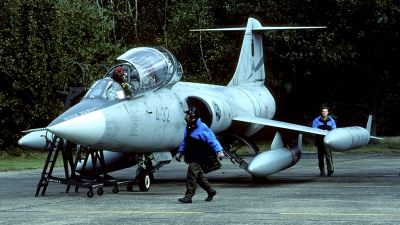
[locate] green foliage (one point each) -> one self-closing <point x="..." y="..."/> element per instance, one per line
<point x="38" y="39"/>
<point x="203" y="55"/>
<point x="351" y="65"/>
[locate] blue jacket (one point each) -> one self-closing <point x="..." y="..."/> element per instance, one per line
<point x="195" y="145"/>
<point x="328" y="124"/>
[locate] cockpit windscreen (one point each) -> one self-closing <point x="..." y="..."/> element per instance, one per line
<point x="106" y="88"/>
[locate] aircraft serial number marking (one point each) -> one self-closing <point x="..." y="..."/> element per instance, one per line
<point x="163" y="115"/>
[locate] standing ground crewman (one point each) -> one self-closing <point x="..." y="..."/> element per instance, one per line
<point x="199" y="139"/>
<point x="324" y="122"/>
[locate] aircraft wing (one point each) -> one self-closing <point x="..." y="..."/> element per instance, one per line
<point x="280" y="124"/>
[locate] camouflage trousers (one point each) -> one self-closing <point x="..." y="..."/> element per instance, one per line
<point x="195" y="176"/>
<point x="323" y="151"/>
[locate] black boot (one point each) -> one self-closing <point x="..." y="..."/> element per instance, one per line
<point x="185" y="200"/>
<point x="211" y="194"/>
<point x="321" y="169"/>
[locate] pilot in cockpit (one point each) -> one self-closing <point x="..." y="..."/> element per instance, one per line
<point x="119" y="77"/>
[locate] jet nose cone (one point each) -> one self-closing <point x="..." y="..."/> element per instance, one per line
<point x="85" y="129"/>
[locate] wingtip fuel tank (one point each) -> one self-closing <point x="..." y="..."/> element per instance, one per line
<point x="275" y="160"/>
<point x="35" y="140"/>
<point x="347" y="138"/>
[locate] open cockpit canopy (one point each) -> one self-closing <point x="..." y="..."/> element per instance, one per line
<point x="146" y="69"/>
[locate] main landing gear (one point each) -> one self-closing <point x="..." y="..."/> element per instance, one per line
<point x="238" y="144"/>
<point x="145" y="171"/>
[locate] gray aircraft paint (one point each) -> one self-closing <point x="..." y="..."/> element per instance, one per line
<point x="151" y="120"/>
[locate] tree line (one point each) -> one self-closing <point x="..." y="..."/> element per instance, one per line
<point x="48" y="46"/>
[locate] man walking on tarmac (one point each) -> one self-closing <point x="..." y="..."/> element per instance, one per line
<point x="198" y="140"/>
<point x="324" y="122"/>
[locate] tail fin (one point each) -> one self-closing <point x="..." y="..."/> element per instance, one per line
<point x="369" y="123"/>
<point x="368" y="128"/>
<point x="250" y="67"/>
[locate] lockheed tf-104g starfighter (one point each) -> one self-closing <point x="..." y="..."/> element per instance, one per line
<point x="135" y="113"/>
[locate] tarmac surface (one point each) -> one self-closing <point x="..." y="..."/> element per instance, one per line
<point x="363" y="190"/>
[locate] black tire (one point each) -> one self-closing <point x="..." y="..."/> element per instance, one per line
<point x="90" y="193"/>
<point x="100" y="191"/>
<point x="115" y="190"/>
<point x="151" y="177"/>
<point x="144" y="180"/>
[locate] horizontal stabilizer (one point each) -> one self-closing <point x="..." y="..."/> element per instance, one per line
<point x="280" y="124"/>
<point x="257" y="29"/>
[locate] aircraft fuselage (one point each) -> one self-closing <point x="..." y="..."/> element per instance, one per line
<point x="155" y="121"/>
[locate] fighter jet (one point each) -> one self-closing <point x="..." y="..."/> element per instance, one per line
<point x="136" y="112"/>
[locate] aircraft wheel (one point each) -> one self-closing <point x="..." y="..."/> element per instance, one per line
<point x="100" y="191"/>
<point x="115" y="190"/>
<point x="144" y="180"/>
<point x="90" y="193"/>
<point x="151" y="177"/>
<point x="149" y="167"/>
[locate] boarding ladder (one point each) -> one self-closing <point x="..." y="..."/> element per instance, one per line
<point x="56" y="145"/>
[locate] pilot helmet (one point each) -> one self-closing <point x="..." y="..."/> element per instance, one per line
<point x="119" y="71"/>
<point x="193" y="112"/>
